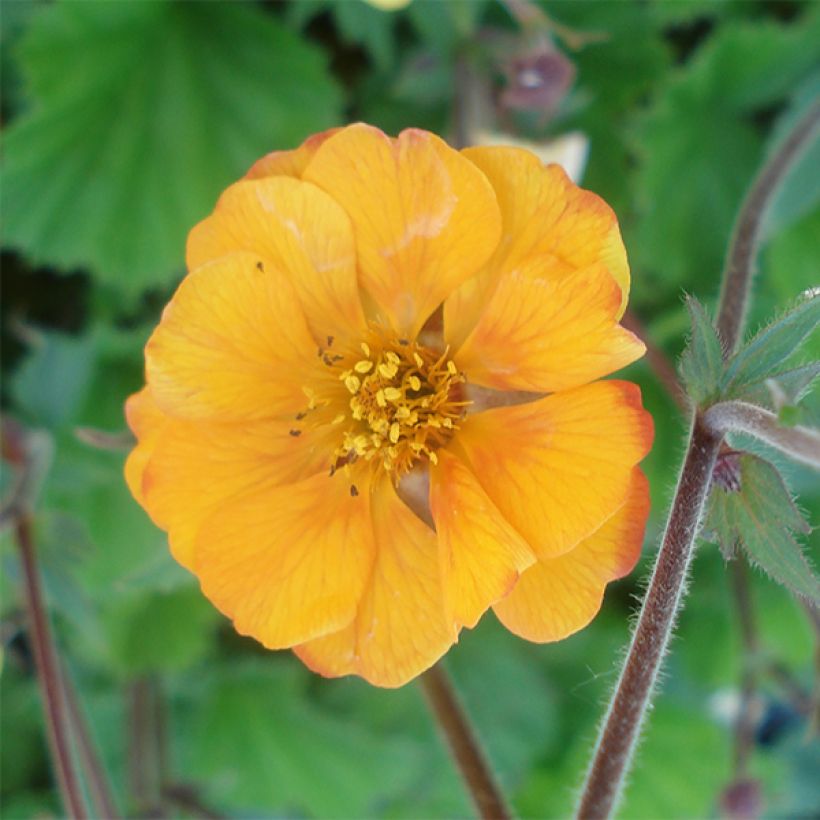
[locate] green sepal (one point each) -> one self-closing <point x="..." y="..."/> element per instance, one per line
<point x="754" y="512"/>
<point x="777" y="390"/>
<point x="767" y="351"/>
<point x="701" y="365"/>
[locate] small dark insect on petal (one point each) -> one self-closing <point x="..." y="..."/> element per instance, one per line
<point x="330" y="341"/>
<point x="354" y="491"/>
<point x="295" y="433"/>
<point x="260" y="266"/>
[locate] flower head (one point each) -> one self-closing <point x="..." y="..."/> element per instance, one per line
<point x="372" y="407"/>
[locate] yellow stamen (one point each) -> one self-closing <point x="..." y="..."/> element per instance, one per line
<point x="404" y="404"/>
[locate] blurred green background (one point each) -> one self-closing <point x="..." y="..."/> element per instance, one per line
<point x="122" y="121"/>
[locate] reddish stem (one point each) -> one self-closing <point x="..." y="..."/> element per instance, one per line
<point x="48" y="674"/>
<point x="649" y="642"/>
<point x="466" y="751"/>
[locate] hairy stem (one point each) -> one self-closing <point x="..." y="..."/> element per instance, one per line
<point x="48" y="675"/>
<point x="620" y="732"/>
<point x="800" y="443"/>
<point x="463" y="744"/>
<point x="737" y="275"/>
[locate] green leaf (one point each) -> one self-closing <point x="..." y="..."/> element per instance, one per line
<point x="772" y="345"/>
<point x="701" y="364"/>
<point x="53" y="380"/>
<point x="790" y="386"/>
<point x="760" y="518"/>
<point x="799" y="193"/>
<point x="698" y="148"/>
<point x="262" y="747"/>
<point x="789" y="262"/>
<point x="142" y="114"/>
<point x="616" y="75"/>
<point x="163" y="631"/>
<point x="443" y="26"/>
<point x="365" y="25"/>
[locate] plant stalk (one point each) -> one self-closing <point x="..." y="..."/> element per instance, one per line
<point x="737" y="275"/>
<point x="800" y="443"/>
<point x="613" y="754"/>
<point x="48" y="675"/>
<point x="99" y="789"/>
<point x="617" y="741"/>
<point x="475" y="770"/>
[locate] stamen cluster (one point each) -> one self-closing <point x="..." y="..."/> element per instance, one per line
<point x="404" y="405"/>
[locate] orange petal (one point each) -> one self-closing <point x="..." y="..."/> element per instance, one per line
<point x="400" y="629"/>
<point x="297" y="230"/>
<point x="481" y="554"/>
<point x="544" y="334"/>
<point x="232" y="345"/>
<point x="545" y="217"/>
<point x="559" y="596"/>
<point x="425" y="218"/>
<point x="557" y="468"/>
<point x="288" y="563"/>
<point x="289" y="163"/>
<point x="146" y="422"/>
<point x="197" y="467"/>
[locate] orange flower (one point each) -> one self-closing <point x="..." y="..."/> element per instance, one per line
<point x="371" y="409"/>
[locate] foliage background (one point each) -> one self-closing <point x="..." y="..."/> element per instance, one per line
<point x="121" y="123"/>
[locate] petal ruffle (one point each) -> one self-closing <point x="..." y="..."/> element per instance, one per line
<point x="146" y="421"/>
<point x="481" y="554"/>
<point x="547" y="218"/>
<point x="400" y="629"/>
<point x="197" y="467"/>
<point x="424" y="217"/>
<point x="233" y="344"/>
<point x="298" y="230"/>
<point x="543" y="334"/>
<point x="559" y="596"/>
<point x="557" y="468"/>
<point x="290" y="563"/>
<point x="289" y="163"/>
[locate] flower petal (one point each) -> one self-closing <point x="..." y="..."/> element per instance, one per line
<point x="400" y="629"/>
<point x="544" y="334"/>
<point x="425" y="218"/>
<point x="146" y="422"/>
<point x="288" y="563"/>
<point x="298" y="230"/>
<point x="481" y="554"/>
<point x="546" y="217"/>
<point x="289" y="163"/>
<point x="557" y="468"/>
<point x="559" y="596"/>
<point x="197" y="467"/>
<point x="232" y="344"/>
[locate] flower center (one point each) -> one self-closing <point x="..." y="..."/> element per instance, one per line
<point x="405" y="402"/>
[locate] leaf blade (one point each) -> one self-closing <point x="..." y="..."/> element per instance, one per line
<point x="761" y="518"/>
